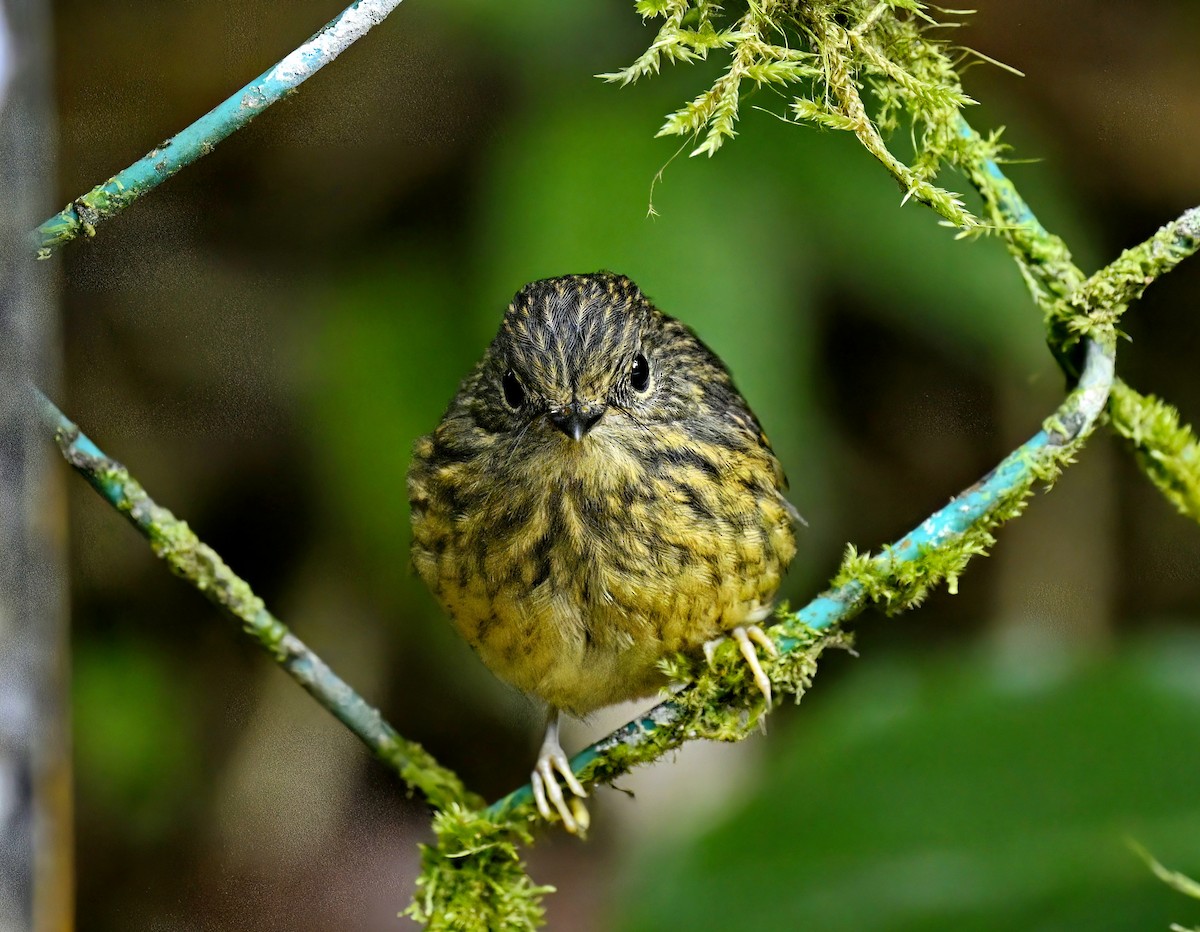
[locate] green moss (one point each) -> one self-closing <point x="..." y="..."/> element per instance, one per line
<point x="723" y="703"/>
<point x="1167" y="450"/>
<point x="823" y="51"/>
<point x="473" y="879"/>
<point x="1095" y="306"/>
<point x="418" y="768"/>
<point x="188" y="557"/>
<point x="898" y="584"/>
<point x="1045" y="262"/>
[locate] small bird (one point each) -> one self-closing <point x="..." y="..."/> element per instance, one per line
<point x="597" y="497"/>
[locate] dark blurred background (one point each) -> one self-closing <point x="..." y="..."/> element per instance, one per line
<point x="261" y="340"/>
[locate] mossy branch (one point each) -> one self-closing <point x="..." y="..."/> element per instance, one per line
<point x="1166" y="449"/>
<point x="188" y="557"/>
<point x="1043" y="258"/>
<point x="1094" y="307"/>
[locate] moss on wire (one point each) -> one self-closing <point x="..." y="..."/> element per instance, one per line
<point x="1166" y="449"/>
<point x="1094" y="307"/>
<point x="473" y="880"/>
<point x="1075" y="306"/>
<point x="1045" y="262"/>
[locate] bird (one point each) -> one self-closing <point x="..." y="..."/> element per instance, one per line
<point x="598" y="497"/>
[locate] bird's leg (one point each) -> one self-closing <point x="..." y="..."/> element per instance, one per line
<point x="552" y="763"/>
<point x="747" y="636"/>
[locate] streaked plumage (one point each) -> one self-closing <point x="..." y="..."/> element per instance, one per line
<point x="625" y="507"/>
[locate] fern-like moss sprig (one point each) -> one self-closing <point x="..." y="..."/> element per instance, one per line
<point x="825" y="53"/>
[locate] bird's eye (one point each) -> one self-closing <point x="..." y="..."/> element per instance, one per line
<point x="639" y="375"/>
<point x="514" y="392"/>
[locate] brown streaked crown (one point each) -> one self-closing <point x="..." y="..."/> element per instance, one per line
<point x="573" y="336"/>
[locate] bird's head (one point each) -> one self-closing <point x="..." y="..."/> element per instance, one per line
<point x="572" y="351"/>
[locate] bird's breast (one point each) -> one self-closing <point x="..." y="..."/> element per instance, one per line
<point x="575" y="567"/>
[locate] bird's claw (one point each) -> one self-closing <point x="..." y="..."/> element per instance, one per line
<point x="747" y="636"/>
<point x="552" y="763"/>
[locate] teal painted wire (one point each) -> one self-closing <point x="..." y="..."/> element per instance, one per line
<point x="1010" y="203"/>
<point x="163" y="161"/>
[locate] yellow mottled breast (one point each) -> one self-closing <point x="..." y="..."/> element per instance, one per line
<point x="573" y="574"/>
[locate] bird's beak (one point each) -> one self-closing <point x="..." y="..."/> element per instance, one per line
<point x="576" y="419"/>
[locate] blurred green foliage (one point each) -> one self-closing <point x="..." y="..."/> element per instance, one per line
<point x="134" y="736"/>
<point x="956" y="792"/>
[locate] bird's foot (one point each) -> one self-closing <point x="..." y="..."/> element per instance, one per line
<point x="747" y="636"/>
<point x="552" y="763"/>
